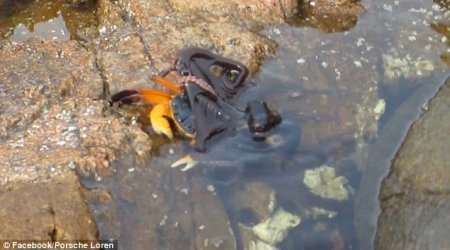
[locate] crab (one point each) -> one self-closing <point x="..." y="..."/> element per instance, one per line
<point x="168" y="107"/>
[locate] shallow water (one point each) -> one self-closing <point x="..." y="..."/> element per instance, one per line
<point x="53" y="20"/>
<point x="353" y="92"/>
<point x="373" y="64"/>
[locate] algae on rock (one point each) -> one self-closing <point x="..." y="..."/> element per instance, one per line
<point x="322" y="181"/>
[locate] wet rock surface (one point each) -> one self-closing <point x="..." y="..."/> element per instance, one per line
<point x="150" y="33"/>
<point x="53" y="115"/>
<point x="328" y="16"/>
<point x="54" y="122"/>
<point x="415" y="195"/>
<point x="51" y="210"/>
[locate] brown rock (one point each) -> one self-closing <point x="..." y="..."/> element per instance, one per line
<point x="339" y="7"/>
<point x="329" y="15"/>
<point x="41" y="211"/>
<point x="162" y="28"/>
<point x="265" y="11"/>
<point x="123" y="61"/>
<point x="38" y="74"/>
<point x="51" y="116"/>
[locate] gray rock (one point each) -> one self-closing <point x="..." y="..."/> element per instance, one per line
<point x="378" y="161"/>
<point x="414" y="197"/>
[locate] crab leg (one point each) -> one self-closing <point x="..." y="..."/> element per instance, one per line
<point x="159" y="119"/>
<point x="160" y="114"/>
<point x="187" y="161"/>
<point x="154" y="96"/>
<point x="166" y="83"/>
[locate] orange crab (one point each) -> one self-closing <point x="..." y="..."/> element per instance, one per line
<point x="162" y="114"/>
<point x="199" y="105"/>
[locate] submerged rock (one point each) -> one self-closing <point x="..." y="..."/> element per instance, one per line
<point x="275" y="228"/>
<point x="323" y="182"/>
<point x="407" y="67"/>
<point x="257" y="197"/>
<point x="159" y="209"/>
<point x="273" y="222"/>
<point x="328" y="15"/>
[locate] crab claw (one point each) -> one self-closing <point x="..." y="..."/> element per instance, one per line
<point x="140" y="95"/>
<point x="126" y="97"/>
<point x="160" y="123"/>
<point x="187" y="161"/>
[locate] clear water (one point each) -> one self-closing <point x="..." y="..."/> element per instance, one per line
<point x="345" y="88"/>
<point x="53" y="20"/>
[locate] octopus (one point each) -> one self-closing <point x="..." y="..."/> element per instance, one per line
<point x="228" y="143"/>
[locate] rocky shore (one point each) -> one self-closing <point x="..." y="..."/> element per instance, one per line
<point x="57" y="129"/>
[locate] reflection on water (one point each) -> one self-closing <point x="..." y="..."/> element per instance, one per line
<point x="54" y="29"/>
<point x="56" y="20"/>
